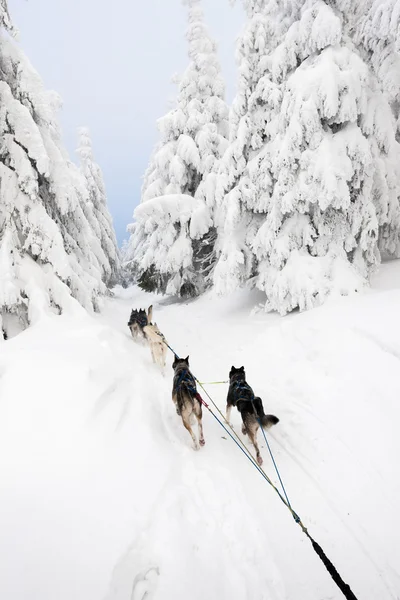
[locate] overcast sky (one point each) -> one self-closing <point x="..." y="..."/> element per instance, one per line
<point x="112" y="63"/>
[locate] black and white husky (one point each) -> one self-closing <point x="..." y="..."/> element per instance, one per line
<point x="250" y="407"/>
<point x="138" y="321"/>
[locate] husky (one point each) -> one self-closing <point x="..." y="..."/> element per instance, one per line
<point x="157" y="344"/>
<point x="250" y="407"/>
<point x="138" y="321"/>
<point x="186" y="398"/>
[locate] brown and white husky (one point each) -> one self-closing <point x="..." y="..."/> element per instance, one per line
<point x="186" y="398"/>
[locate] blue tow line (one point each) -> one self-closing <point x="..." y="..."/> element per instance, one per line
<point x="247" y="455"/>
<point x="296" y="517"/>
<point x="342" y="585"/>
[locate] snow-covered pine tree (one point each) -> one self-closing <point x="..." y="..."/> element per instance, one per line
<point x="334" y="165"/>
<point x="375" y="29"/>
<point x="46" y="243"/>
<point x="310" y="176"/>
<point x="243" y="190"/>
<point x="171" y="250"/>
<point x="95" y="207"/>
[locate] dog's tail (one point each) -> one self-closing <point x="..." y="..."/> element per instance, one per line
<point x="266" y="421"/>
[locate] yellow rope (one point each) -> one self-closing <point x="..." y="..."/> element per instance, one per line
<point x="211" y="382"/>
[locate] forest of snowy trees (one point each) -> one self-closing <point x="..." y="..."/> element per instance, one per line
<point x="56" y="236"/>
<point x="294" y="189"/>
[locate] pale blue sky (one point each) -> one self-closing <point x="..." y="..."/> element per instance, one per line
<point x="112" y="64"/>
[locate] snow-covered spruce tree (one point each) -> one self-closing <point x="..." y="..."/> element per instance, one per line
<point x="46" y="243"/>
<point x="171" y="250"/>
<point x="244" y="189"/>
<point x="375" y="29"/>
<point x="95" y="208"/>
<point x="334" y="166"/>
<point x="310" y="195"/>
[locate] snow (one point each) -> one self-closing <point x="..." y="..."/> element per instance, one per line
<point x="174" y="207"/>
<point x="103" y="498"/>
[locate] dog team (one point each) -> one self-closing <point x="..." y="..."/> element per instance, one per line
<point x="185" y="396"/>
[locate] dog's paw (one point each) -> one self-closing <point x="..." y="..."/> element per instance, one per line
<point x="259" y="460"/>
<point x="202" y="442"/>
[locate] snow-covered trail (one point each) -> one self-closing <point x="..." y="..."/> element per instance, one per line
<point x="308" y="369"/>
<point x="103" y="497"/>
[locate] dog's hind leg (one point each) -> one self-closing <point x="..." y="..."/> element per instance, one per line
<point x="153" y="353"/>
<point x="228" y="413"/>
<point x="163" y="361"/>
<point x="252" y="431"/>
<point x="186" y="423"/>
<point x="160" y="356"/>
<point x="164" y="356"/>
<point x="175" y="401"/>
<point x="199" y="413"/>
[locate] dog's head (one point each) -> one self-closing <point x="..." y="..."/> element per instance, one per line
<point x="184" y="362"/>
<point x="238" y="374"/>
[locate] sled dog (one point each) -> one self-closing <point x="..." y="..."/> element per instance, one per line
<point x="186" y="398"/>
<point x="157" y="345"/>
<point x="138" y="321"/>
<point x="250" y="407"/>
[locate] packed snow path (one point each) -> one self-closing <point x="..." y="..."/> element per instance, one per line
<point x="103" y="498"/>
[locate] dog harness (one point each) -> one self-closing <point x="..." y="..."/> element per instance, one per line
<point x="242" y="386"/>
<point x="187" y="378"/>
<point x="248" y="397"/>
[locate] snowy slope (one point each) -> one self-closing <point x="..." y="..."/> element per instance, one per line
<point x="103" y="498"/>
